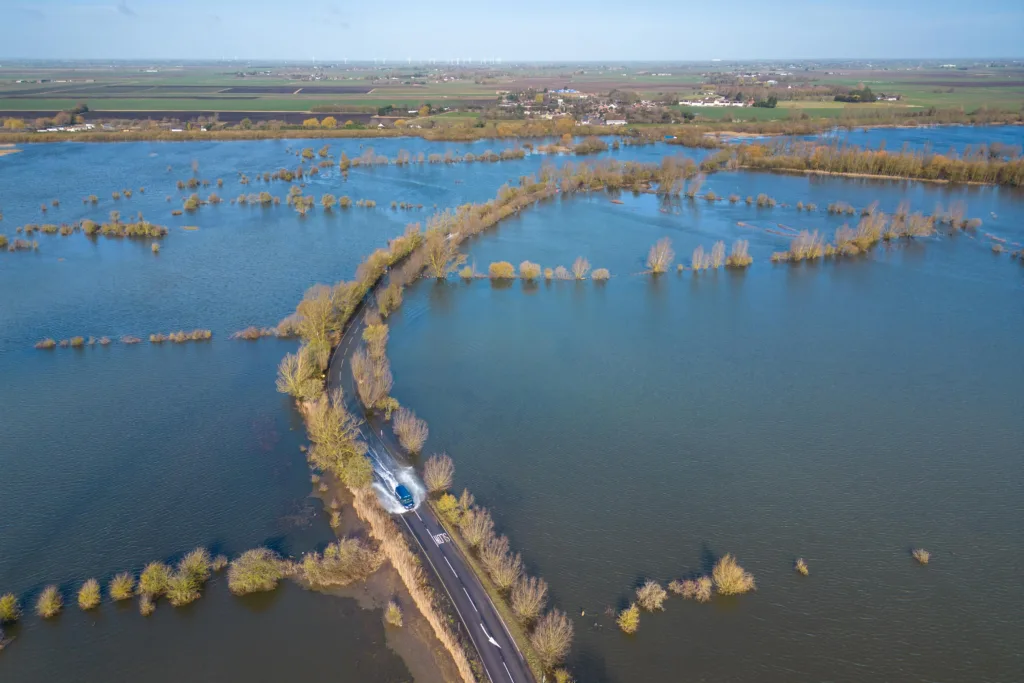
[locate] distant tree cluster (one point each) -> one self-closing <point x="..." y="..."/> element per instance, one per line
<point x="862" y="94"/>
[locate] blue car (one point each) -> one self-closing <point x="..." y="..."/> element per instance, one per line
<point x="404" y="497"/>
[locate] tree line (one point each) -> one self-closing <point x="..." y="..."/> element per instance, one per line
<point x="924" y="165"/>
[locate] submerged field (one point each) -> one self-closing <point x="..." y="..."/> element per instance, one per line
<point x="843" y="412"/>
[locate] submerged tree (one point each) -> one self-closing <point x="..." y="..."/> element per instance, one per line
<point x="661" y="255"/>
<point x="730" y="578"/>
<point x="651" y="596"/>
<point x="441" y="244"/>
<point x="580" y="268"/>
<point x="629" y="619"/>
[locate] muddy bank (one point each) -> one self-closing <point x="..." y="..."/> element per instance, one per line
<point x="415" y="641"/>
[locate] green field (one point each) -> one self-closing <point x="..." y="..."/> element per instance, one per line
<point x="205" y="88"/>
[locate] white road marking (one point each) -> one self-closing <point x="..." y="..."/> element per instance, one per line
<point x="418" y="516"/>
<point x="491" y="640"/>
<point x="507" y="632"/>
<point x="470" y="600"/>
<point x="451" y="567"/>
<point x="507" y="671"/>
<point x="441" y="538"/>
<point x="445" y="586"/>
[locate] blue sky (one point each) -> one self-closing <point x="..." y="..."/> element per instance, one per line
<point x="521" y="30"/>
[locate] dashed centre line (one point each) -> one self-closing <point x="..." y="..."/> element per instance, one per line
<point x="470" y="600"/>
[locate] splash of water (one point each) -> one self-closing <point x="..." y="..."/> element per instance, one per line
<point x="385" y="485"/>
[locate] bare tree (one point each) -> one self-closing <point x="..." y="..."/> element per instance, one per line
<point x="697" y="260"/>
<point x="411" y="431"/>
<point x="529" y="596"/>
<point x="438" y="472"/>
<point x="695" y="186"/>
<point x="298" y="376"/>
<point x="580" y="268"/>
<point x="730" y="578"/>
<point x="477" y="526"/>
<point x="661" y="255"/>
<point x="718" y="254"/>
<point x="373" y="378"/>
<point x="504" y="567"/>
<point x="552" y="637"/>
<point x="376" y="337"/>
<point x="332" y="427"/>
<point x="507" y="571"/>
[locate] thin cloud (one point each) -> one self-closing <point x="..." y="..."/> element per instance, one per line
<point x="337" y="16"/>
<point x="30" y="12"/>
<point x="123" y="8"/>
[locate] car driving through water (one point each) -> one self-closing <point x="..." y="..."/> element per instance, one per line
<point x="404" y="497"/>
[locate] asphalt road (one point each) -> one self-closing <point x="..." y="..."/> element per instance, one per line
<point x="480" y="620"/>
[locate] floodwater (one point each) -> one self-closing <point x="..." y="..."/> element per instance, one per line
<point x="116" y="456"/>
<point x="843" y="412"/>
<point x="938" y="139"/>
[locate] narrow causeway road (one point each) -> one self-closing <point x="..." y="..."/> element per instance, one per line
<point x="500" y="656"/>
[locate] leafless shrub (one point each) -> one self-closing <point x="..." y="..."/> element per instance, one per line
<point x="698" y="589"/>
<point x="806" y="246"/>
<point x="739" y="257"/>
<point x="651" y="596"/>
<point x="730" y="578"/>
<point x="340" y="564"/>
